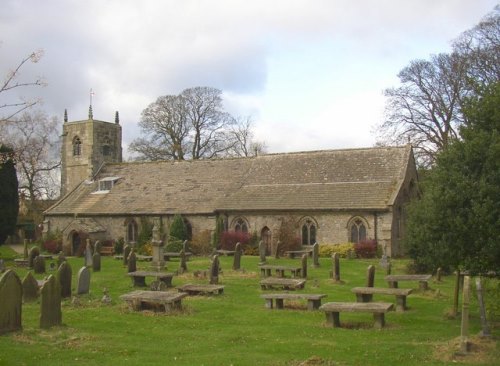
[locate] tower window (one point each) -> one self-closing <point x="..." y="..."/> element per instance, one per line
<point x="77" y="146"/>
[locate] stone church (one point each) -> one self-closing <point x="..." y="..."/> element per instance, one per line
<point x="332" y="196"/>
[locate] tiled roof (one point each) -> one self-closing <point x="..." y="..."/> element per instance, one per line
<point x="334" y="179"/>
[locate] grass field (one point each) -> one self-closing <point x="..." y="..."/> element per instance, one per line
<point x="236" y="329"/>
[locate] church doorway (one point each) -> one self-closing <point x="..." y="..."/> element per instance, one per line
<point x="265" y="236"/>
<point x="75" y="242"/>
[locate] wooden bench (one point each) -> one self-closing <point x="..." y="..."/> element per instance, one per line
<point x="191" y="289"/>
<point x="283" y="283"/>
<point x="139" y="277"/>
<point x="333" y="309"/>
<point x="365" y="294"/>
<point x="107" y="250"/>
<point x="266" y="270"/>
<point x="168" y="255"/>
<point x="163" y="300"/>
<point x="313" y="300"/>
<point x="423" y="280"/>
<point x="298" y="253"/>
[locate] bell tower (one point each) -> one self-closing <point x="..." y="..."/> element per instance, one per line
<point x="86" y="146"/>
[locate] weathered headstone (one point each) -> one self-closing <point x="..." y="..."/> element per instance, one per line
<point x="106" y="299"/>
<point x="158" y="262"/>
<point x="485" y="329"/>
<point x="183" y="264"/>
<point x="370" y="276"/>
<point x="237" y="257"/>
<point x="214" y="270"/>
<point x="96" y="262"/>
<point x="64" y="274"/>
<point x="30" y="288"/>
<point x="97" y="247"/>
<point x="25" y="249"/>
<point x="277" y="250"/>
<point x="60" y="259"/>
<point x="39" y="264"/>
<point x="315" y="255"/>
<point x="438" y="274"/>
<point x="456" y="293"/>
<point x="33" y="253"/>
<point x="88" y="254"/>
<point x="50" y="303"/>
<point x="126" y="253"/>
<point x="83" y="281"/>
<point x="304" y="265"/>
<point x="336" y="267"/>
<point x="132" y="262"/>
<point x="464" y="329"/>
<point x="262" y="252"/>
<point x="11" y="297"/>
<point x="185" y="246"/>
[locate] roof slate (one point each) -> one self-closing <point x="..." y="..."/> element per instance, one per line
<point x="326" y="180"/>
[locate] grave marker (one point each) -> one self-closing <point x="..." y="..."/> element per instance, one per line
<point x="315" y="255"/>
<point x="96" y="262"/>
<point x="464" y="329"/>
<point x="88" y="254"/>
<point x="370" y="276"/>
<point x="304" y="265"/>
<point x="126" y="253"/>
<point x="183" y="263"/>
<point x="132" y="262"/>
<point x="30" y="288"/>
<point x="33" y="253"/>
<point x="11" y="294"/>
<point x="64" y="274"/>
<point x="262" y="252"/>
<point x="336" y="267"/>
<point x="50" y="303"/>
<point x="39" y="264"/>
<point x="214" y="270"/>
<point x="83" y="281"/>
<point x="237" y="257"/>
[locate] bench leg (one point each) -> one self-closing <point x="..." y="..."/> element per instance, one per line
<point x="333" y="319"/>
<point x="139" y="281"/>
<point x="280" y="273"/>
<point x="393" y="284"/>
<point x="268" y="272"/>
<point x="167" y="281"/>
<point x="424" y="285"/>
<point x="313" y="304"/>
<point x="364" y="297"/>
<point x="269" y="303"/>
<point x="379" y="320"/>
<point x="400" y="303"/>
<point x="279" y="303"/>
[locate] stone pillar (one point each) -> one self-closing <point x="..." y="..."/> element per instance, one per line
<point x="485" y="331"/>
<point x="370" y="276"/>
<point x="158" y="262"/>
<point x="88" y="254"/>
<point x="464" y="329"/>
<point x="214" y="270"/>
<point x="304" y="265"/>
<point x="237" y="257"/>
<point x="315" y="255"/>
<point x="132" y="262"/>
<point x="183" y="263"/>
<point x="336" y="267"/>
<point x="126" y="253"/>
<point x="262" y="252"/>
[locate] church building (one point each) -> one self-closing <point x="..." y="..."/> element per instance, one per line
<point x="331" y="196"/>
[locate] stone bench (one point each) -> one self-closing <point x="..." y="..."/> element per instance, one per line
<point x="283" y="283"/>
<point x="313" y="300"/>
<point x="423" y="280"/>
<point x="162" y="300"/>
<point x="191" y="289"/>
<point x="266" y="270"/>
<point x="298" y="253"/>
<point x="365" y="294"/>
<point x="139" y="277"/>
<point x="333" y="309"/>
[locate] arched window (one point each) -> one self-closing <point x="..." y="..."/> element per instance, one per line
<point x="131" y="231"/>
<point x="308" y="232"/>
<point x="241" y="225"/>
<point x="77" y="146"/>
<point x="106" y="147"/>
<point x="357" y="231"/>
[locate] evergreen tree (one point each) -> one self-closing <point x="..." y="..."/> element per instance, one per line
<point x="178" y="228"/>
<point x="9" y="195"/>
<point x="456" y="224"/>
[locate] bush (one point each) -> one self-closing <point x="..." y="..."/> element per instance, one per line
<point x="366" y="248"/>
<point x="118" y="245"/>
<point x="200" y="244"/>
<point x="145" y="249"/>
<point x="230" y="238"/>
<point x="345" y="250"/>
<point x="178" y="229"/>
<point x="174" y="245"/>
<point x="52" y="246"/>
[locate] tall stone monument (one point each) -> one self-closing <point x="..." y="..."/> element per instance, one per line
<point x="158" y="262"/>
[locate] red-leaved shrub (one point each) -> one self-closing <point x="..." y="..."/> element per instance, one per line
<point x="366" y="248"/>
<point x="230" y="238"/>
<point x="52" y="246"/>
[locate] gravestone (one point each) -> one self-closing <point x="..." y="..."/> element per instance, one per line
<point x="237" y="257"/>
<point x="185" y="246"/>
<point x="60" y="259"/>
<point x="64" y="274"/>
<point x="370" y="276"/>
<point x="183" y="264"/>
<point x="106" y="299"/>
<point x="33" y="253"/>
<point x="315" y="255"/>
<point x="11" y="297"/>
<point x="83" y="281"/>
<point x="336" y="267"/>
<point x="304" y="265"/>
<point x="25" y="249"/>
<point x="485" y="329"/>
<point x="214" y="270"/>
<point x="132" y="262"/>
<point x="96" y="262"/>
<point x="277" y="250"/>
<point x="464" y="328"/>
<point x="438" y="274"/>
<point x="50" y="303"/>
<point x="39" y="264"/>
<point x="126" y="253"/>
<point x="30" y="288"/>
<point x="158" y="262"/>
<point x="262" y="252"/>
<point x="97" y="247"/>
<point x="88" y="254"/>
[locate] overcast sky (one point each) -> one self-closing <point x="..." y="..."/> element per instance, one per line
<point x="310" y="73"/>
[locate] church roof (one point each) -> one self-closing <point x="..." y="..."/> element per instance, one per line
<point x="368" y="178"/>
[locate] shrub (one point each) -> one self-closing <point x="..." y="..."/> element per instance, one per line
<point x="118" y="245"/>
<point x="219" y="228"/>
<point x="366" y="248"/>
<point x="345" y="250"/>
<point x="145" y="249"/>
<point x="174" y="245"/>
<point x="145" y="233"/>
<point x="178" y="228"/>
<point x="288" y="235"/>
<point x="200" y="244"/>
<point x="52" y="246"/>
<point x="230" y="238"/>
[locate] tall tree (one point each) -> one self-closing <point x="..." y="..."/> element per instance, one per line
<point x="427" y="108"/>
<point x="9" y="197"/>
<point x="245" y="145"/>
<point x="10" y="104"/>
<point x="457" y="221"/>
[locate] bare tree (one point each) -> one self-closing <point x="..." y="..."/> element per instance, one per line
<point x="245" y="145"/>
<point x="10" y="103"/>
<point x="35" y="139"/>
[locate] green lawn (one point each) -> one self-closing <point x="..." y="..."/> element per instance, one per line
<point x="236" y="329"/>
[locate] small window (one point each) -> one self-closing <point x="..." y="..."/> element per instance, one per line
<point x="77" y="146"/>
<point x="358" y="231"/>
<point x="106" y="147"/>
<point x="132" y="231"/>
<point x="106" y="184"/>
<point x="308" y="232"/>
<point x="241" y="225"/>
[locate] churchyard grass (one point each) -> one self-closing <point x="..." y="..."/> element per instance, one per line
<point x="235" y="328"/>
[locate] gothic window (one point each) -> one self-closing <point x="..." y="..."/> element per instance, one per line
<point x="77" y="146"/>
<point x="131" y="231"/>
<point x="241" y="225"/>
<point x="357" y="231"/>
<point x="106" y="147"/>
<point x="308" y="232"/>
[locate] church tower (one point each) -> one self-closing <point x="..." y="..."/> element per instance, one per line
<point x="86" y="145"/>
